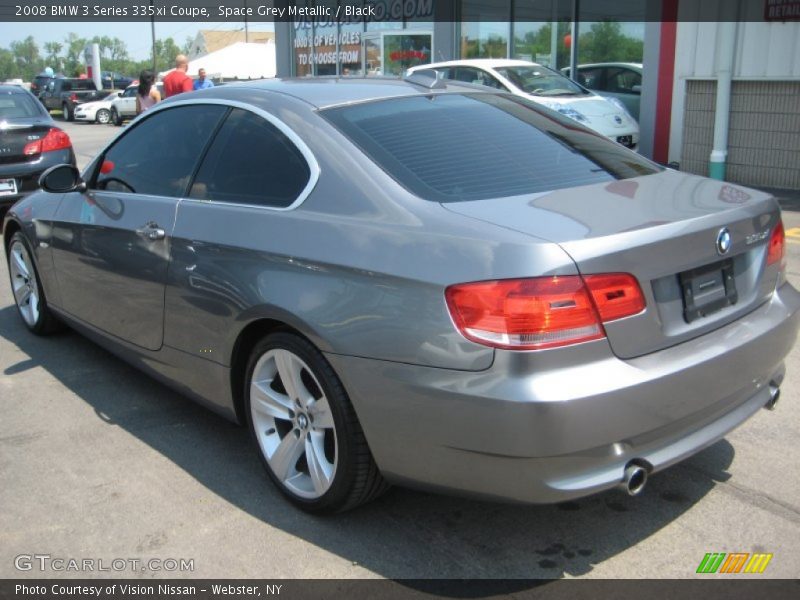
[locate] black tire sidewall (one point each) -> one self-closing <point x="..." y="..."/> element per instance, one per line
<point x="340" y="407"/>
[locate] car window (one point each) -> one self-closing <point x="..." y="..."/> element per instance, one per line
<point x="159" y="154"/>
<point x="129" y="92"/>
<point x="459" y="147"/>
<point x="251" y="162"/>
<point x="82" y="84"/>
<point x="18" y="106"/>
<point x="622" y="80"/>
<point x="592" y="78"/>
<point x="540" y="81"/>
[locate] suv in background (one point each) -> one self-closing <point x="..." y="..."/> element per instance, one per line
<point x="65" y="94"/>
<point x="39" y="84"/>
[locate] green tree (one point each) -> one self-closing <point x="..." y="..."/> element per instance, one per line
<point x="73" y="59"/>
<point x="27" y="58"/>
<point x="605" y="42"/>
<point x="52" y="50"/>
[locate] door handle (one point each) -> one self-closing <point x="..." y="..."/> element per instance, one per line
<point x="151" y="231"/>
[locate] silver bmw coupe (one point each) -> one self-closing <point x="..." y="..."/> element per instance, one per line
<point x="416" y="282"/>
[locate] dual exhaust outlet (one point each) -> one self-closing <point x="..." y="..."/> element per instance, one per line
<point x="634" y="477"/>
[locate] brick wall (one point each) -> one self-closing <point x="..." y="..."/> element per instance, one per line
<point x="763" y="137"/>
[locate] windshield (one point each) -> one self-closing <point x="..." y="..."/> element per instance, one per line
<point x="541" y="81"/>
<point x="14" y="105"/>
<point x="460" y="147"/>
<point x="111" y="96"/>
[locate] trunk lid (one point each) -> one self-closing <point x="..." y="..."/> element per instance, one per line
<point x="662" y="229"/>
<point x="15" y="136"/>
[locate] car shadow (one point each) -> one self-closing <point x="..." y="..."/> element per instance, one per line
<point x="404" y="534"/>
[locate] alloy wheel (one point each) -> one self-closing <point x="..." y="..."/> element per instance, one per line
<point x="293" y="423"/>
<point x="23" y="283"/>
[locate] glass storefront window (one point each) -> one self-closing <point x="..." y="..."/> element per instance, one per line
<point x="485" y="28"/>
<point x="326" y="43"/>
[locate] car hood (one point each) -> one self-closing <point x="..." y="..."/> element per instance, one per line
<point x="591" y="106"/>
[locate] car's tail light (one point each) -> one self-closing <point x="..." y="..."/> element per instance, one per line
<point x="73" y="97"/>
<point x="615" y="295"/>
<point x="541" y="312"/>
<point x="777" y="245"/>
<point x="54" y="140"/>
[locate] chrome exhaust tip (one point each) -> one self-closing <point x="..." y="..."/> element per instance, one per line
<point x="633" y="480"/>
<point x="774" y="395"/>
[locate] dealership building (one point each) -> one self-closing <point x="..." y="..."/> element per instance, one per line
<point x="720" y="84"/>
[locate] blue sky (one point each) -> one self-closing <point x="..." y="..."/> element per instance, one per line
<point x="135" y="35"/>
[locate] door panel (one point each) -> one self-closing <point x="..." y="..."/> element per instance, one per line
<point x="111" y="267"/>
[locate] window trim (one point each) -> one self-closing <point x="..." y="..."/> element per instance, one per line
<point x="313" y="165"/>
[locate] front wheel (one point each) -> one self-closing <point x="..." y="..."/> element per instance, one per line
<point x="103" y="116"/>
<point x="28" y="292"/>
<point x="309" y="437"/>
<point x="115" y="118"/>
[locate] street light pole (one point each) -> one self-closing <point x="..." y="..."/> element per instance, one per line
<point x="153" y="34"/>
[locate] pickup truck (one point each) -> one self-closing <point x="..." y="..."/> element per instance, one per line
<point x="65" y="94"/>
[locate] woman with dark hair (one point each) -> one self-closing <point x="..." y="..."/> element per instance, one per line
<point x="147" y="94"/>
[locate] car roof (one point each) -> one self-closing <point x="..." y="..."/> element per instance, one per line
<point x="8" y="87"/>
<point x="326" y="92"/>
<point x="611" y="64"/>
<point x="491" y="63"/>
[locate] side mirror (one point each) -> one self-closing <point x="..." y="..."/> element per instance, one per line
<point x="119" y="94"/>
<point x="62" y="179"/>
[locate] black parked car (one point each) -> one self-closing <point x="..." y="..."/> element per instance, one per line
<point x="30" y="143"/>
<point x="39" y="84"/>
<point x="65" y="94"/>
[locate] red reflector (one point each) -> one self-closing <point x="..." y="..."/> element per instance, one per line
<point x="55" y="140"/>
<point x="106" y="167"/>
<point x="616" y="295"/>
<point x="541" y="312"/>
<point x="777" y="245"/>
<point x="73" y="98"/>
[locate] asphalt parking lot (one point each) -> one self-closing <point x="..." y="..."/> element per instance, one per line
<point x="98" y="461"/>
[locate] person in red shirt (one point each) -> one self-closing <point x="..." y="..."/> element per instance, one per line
<point x="177" y="81"/>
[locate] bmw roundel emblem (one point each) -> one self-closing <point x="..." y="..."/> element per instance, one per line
<point x="723" y="241"/>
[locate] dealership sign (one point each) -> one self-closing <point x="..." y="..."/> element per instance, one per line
<point x="782" y="10"/>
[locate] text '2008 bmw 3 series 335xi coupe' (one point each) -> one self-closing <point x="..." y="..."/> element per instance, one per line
<point x="416" y="282"/>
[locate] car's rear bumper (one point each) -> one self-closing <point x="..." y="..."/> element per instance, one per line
<point x="550" y="426"/>
<point x="27" y="174"/>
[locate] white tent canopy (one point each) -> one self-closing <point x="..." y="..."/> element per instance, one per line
<point x="237" y="61"/>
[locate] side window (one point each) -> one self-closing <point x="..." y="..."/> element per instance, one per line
<point x="591" y="78"/>
<point x="159" y="154"/>
<point x="129" y="93"/>
<point x="623" y="80"/>
<point x="251" y="162"/>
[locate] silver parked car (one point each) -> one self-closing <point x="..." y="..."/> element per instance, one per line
<point x="414" y="282"/>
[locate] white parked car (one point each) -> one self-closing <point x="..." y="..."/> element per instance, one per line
<point x="607" y="116"/>
<point x="98" y="111"/>
<point x="124" y="107"/>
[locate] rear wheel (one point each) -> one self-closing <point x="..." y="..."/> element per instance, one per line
<point x="309" y="437"/>
<point x="67" y="112"/>
<point x="28" y="293"/>
<point x="103" y="116"/>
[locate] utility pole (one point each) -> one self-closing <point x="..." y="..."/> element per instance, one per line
<point x="246" y="31"/>
<point x="153" y="34"/>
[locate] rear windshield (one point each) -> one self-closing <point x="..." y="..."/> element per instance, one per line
<point x="458" y="147"/>
<point x="14" y="105"/>
<point x="79" y="84"/>
<point x="541" y="81"/>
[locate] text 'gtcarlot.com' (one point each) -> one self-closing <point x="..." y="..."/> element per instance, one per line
<point x="45" y="562"/>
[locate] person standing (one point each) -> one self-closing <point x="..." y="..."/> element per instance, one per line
<point x="147" y="94"/>
<point x="177" y="81"/>
<point x="202" y="83"/>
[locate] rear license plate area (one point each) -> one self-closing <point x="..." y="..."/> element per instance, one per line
<point x="708" y="289"/>
<point x="8" y="187"/>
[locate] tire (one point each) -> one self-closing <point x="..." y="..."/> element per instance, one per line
<point x="103" y="116"/>
<point x="307" y="433"/>
<point x="27" y="288"/>
<point x="115" y="118"/>
<point x="67" y="113"/>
